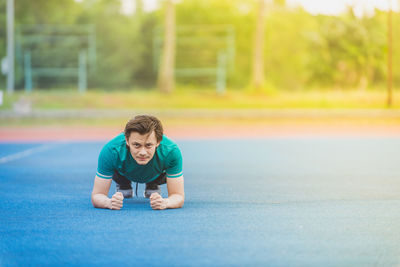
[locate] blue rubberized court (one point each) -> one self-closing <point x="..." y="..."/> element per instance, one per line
<point x="261" y="202"/>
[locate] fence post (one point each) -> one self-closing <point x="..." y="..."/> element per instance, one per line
<point x="28" y="72"/>
<point x="82" y="79"/>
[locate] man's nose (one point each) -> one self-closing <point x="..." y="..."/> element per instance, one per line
<point x="142" y="151"/>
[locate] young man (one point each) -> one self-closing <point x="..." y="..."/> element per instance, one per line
<point x="141" y="154"/>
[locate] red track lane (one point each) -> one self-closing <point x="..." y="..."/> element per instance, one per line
<point x="85" y="133"/>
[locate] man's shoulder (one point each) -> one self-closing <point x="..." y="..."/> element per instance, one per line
<point x="116" y="143"/>
<point x="168" y="147"/>
<point x="172" y="157"/>
<point x="167" y="144"/>
<point x="117" y="140"/>
<point x="169" y="150"/>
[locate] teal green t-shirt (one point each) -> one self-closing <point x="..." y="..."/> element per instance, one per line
<point x="115" y="156"/>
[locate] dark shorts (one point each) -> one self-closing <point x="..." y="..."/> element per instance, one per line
<point x="125" y="183"/>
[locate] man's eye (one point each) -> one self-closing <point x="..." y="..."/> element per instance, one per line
<point x="149" y="146"/>
<point x="137" y="146"/>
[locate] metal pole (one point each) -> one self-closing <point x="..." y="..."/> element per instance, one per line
<point x="10" y="46"/>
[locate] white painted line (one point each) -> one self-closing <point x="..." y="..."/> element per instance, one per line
<point x="26" y="153"/>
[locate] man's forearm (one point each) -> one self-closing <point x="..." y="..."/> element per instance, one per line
<point x="101" y="201"/>
<point x="175" y="201"/>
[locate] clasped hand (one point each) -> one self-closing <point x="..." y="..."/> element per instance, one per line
<point x="157" y="202"/>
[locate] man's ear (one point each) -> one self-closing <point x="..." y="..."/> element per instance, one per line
<point x="127" y="142"/>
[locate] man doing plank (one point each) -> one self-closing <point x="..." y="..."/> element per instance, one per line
<point x="141" y="154"/>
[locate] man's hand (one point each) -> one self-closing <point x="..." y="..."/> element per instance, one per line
<point x="117" y="201"/>
<point x="157" y="202"/>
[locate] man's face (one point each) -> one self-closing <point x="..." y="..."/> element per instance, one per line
<point x="142" y="147"/>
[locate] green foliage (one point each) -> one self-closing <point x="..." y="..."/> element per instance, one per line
<point x="119" y="44"/>
<point x="301" y="50"/>
<point x="351" y="50"/>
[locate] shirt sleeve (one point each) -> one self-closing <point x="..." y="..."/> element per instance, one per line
<point x="174" y="164"/>
<point x="105" y="166"/>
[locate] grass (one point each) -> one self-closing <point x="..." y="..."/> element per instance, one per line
<point x="205" y="99"/>
<point x="247" y="105"/>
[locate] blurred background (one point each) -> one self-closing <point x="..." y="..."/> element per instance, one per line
<point x="265" y="61"/>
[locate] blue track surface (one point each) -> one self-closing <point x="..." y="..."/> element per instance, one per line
<point x="273" y="202"/>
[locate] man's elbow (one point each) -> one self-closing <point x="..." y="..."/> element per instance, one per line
<point x="176" y="201"/>
<point x="97" y="200"/>
<point x="93" y="200"/>
<point x="182" y="201"/>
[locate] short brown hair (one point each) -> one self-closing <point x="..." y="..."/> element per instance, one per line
<point x="144" y="124"/>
